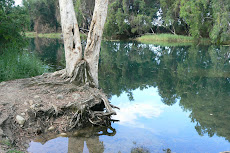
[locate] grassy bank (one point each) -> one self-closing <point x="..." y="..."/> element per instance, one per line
<point x="48" y="35"/>
<point x="43" y="35"/>
<point x="169" y="39"/>
<point x="16" y="64"/>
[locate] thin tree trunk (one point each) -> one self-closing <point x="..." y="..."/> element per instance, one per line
<point x="71" y="35"/>
<point x="91" y="54"/>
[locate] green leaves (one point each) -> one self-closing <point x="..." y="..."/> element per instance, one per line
<point x="43" y="14"/>
<point x="204" y="18"/>
<point x="13" y="21"/>
<point x="129" y="18"/>
<point x="221" y="21"/>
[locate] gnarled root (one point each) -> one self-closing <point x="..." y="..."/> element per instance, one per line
<point x="80" y="76"/>
<point x="94" y="110"/>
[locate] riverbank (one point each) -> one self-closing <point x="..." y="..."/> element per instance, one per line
<point x="49" y="35"/>
<point x="171" y="39"/>
<point x="43" y="35"/>
<point x="47" y="104"/>
<point x="158" y="39"/>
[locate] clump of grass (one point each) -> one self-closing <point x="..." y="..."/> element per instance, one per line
<point x="17" y="64"/>
<point x="14" y="151"/>
<point x="9" y="145"/>
<point x="170" y="39"/>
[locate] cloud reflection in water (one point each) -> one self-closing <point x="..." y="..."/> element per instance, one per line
<point x="146" y="105"/>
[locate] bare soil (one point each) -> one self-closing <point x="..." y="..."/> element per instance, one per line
<point x="50" y="106"/>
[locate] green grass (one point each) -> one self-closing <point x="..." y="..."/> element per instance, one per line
<point x="16" y="64"/>
<point x="48" y="35"/>
<point x="10" y="146"/>
<point x="170" y="40"/>
<point x="226" y="43"/>
<point x="43" y="35"/>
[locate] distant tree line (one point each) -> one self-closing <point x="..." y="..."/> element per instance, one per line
<point x="130" y="18"/>
<point x="44" y="15"/>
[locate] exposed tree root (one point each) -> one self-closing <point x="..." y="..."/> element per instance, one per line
<point x="51" y="104"/>
<point x="95" y="110"/>
<point x="80" y="76"/>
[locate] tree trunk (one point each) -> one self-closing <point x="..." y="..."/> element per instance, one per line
<point x="91" y="54"/>
<point x="71" y="35"/>
<point x="87" y="70"/>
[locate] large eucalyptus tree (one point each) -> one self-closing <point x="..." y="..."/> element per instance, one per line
<point x="82" y="67"/>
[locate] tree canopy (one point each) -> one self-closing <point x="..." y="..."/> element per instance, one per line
<point x="13" y="22"/>
<point x="204" y="18"/>
<point x="129" y="18"/>
<point x="44" y="15"/>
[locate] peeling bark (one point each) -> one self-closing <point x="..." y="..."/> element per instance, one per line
<point x="71" y="35"/>
<point x="91" y="54"/>
<point x="73" y="48"/>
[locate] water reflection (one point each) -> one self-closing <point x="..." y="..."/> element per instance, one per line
<point x="84" y="140"/>
<point x="198" y="75"/>
<point x="170" y="97"/>
<point x="50" y="51"/>
<point x="147" y="105"/>
<point x="76" y="145"/>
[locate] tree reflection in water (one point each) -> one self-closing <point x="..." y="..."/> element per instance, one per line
<point x="76" y="140"/>
<point x="91" y="137"/>
<point x="197" y="75"/>
<point x="76" y="145"/>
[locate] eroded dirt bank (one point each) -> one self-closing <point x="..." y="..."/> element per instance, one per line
<point x="47" y="105"/>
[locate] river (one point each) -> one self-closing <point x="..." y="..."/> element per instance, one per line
<point x="171" y="98"/>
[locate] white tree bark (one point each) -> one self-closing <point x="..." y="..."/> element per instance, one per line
<point x="72" y="42"/>
<point x="91" y="54"/>
<point x="71" y="35"/>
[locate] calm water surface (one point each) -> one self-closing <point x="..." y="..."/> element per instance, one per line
<point x="171" y="98"/>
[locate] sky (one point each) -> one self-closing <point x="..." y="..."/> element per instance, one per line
<point x="18" y="2"/>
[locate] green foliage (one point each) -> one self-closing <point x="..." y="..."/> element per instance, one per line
<point x="221" y="21"/>
<point x="129" y="18"/>
<point x="171" y="17"/>
<point x="203" y="18"/>
<point x="116" y="23"/>
<point x="17" y="64"/>
<point x="196" y="15"/>
<point x="44" y="15"/>
<point x="125" y="19"/>
<point x="84" y="11"/>
<point x="13" y="22"/>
